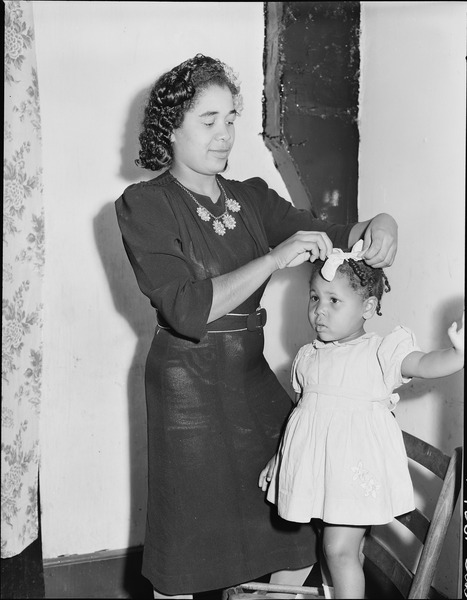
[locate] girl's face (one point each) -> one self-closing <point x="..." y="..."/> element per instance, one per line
<point x="336" y="311"/>
<point x="205" y="138"/>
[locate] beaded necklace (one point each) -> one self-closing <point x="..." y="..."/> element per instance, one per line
<point x="224" y="221"/>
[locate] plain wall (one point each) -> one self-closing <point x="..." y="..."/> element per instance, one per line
<point x="412" y="165"/>
<point x="95" y="62"/>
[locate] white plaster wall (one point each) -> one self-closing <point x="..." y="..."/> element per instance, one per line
<point x="412" y="165"/>
<point x="95" y="60"/>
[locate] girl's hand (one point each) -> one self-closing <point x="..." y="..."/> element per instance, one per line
<point x="380" y="241"/>
<point x="300" y="247"/>
<point x="266" y="474"/>
<point x="457" y="335"/>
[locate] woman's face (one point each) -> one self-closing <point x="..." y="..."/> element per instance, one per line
<point x="205" y="138"/>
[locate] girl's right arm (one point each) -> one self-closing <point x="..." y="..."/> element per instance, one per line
<point x="266" y="474"/>
<point x="438" y="363"/>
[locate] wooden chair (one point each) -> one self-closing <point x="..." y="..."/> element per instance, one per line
<point x="388" y="575"/>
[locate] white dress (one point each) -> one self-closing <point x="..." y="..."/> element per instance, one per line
<point x="342" y="458"/>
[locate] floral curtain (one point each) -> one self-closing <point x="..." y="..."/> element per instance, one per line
<point x="23" y="262"/>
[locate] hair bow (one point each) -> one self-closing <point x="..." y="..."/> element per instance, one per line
<point x="337" y="257"/>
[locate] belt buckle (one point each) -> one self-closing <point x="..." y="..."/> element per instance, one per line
<point x="256" y="320"/>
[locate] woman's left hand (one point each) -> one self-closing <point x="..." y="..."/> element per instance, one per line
<point x="380" y="241"/>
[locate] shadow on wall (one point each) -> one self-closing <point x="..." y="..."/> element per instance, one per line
<point x="130" y="143"/>
<point x="294" y="329"/>
<point x="132" y="305"/>
<point x="137" y="311"/>
<point x="448" y="390"/>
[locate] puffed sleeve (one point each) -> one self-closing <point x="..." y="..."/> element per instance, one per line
<point x="391" y="352"/>
<point x="296" y="377"/>
<point x="281" y="219"/>
<point x="164" y="274"/>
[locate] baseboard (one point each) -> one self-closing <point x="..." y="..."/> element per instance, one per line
<point x="104" y="574"/>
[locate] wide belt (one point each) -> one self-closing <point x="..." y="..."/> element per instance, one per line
<point x="231" y="322"/>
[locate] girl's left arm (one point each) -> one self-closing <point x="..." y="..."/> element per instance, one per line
<point x="437" y="363"/>
<point x="379" y="236"/>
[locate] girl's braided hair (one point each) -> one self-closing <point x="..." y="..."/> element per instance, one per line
<point x="172" y="95"/>
<point x="365" y="280"/>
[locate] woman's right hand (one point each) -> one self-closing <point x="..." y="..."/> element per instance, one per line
<point x="300" y="247"/>
<point x="231" y="289"/>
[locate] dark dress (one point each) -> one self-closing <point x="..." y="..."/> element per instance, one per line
<point x="214" y="407"/>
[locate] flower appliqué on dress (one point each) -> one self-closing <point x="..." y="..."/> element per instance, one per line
<point x="367" y="482"/>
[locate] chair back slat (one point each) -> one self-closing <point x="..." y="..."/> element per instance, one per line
<point x="439" y="525"/>
<point x="426" y="455"/>
<point x="417" y="523"/>
<point x="383" y="558"/>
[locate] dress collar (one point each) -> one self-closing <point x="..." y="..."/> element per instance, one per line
<point x="319" y="344"/>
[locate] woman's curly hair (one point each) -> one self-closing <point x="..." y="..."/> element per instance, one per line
<point x="365" y="280"/>
<point x="172" y="95"/>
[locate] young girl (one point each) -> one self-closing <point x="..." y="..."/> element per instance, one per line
<point x="342" y="458"/>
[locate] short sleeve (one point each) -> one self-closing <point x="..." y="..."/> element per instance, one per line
<point x="296" y="378"/>
<point x="391" y="352"/>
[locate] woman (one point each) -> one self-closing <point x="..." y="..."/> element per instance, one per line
<point x="203" y="249"/>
